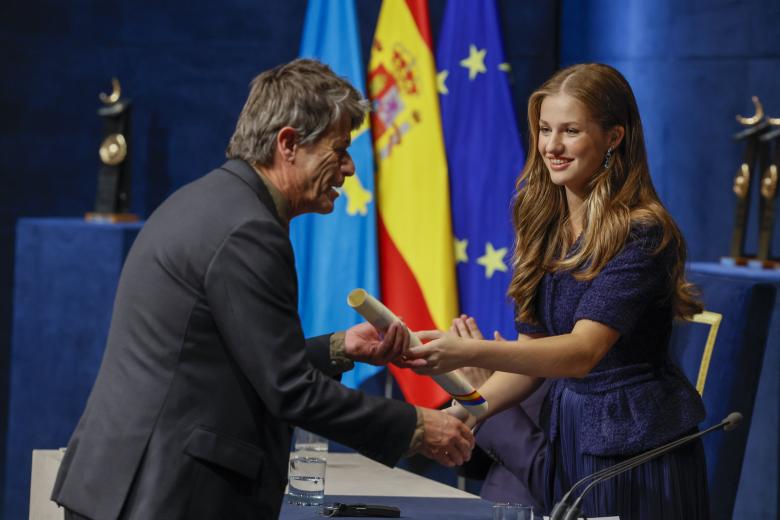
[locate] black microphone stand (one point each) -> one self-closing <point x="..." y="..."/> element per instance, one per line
<point x="565" y="510"/>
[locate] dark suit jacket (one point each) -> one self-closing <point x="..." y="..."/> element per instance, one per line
<point x="206" y="367"/>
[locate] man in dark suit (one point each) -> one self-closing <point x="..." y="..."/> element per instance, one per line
<point x="206" y="366"/>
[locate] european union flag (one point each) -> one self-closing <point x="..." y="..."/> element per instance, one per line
<point x="336" y="253"/>
<point x="485" y="157"/>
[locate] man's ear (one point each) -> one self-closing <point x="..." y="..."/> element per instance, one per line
<point x="287" y="143"/>
<point x="616" y="135"/>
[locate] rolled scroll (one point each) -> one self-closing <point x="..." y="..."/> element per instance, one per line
<point x="453" y="383"/>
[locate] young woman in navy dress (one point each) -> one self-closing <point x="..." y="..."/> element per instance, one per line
<point x="598" y="278"/>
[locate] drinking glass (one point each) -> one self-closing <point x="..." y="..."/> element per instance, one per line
<point x="510" y="511"/>
<point x="306" y="480"/>
<point x="310" y="443"/>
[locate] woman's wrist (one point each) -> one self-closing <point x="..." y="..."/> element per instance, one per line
<point x="470" y="353"/>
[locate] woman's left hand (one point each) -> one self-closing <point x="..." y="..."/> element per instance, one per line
<point x="443" y="353"/>
<point x="466" y="327"/>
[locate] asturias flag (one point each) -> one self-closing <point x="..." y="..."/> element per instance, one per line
<point x="417" y="269"/>
<point x="338" y="252"/>
<point x="485" y="157"/>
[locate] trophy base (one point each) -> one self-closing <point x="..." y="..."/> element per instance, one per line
<point x="750" y="263"/>
<point x="110" y="218"/>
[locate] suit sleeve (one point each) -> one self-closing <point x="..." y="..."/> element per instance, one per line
<point x="250" y="285"/>
<point x="318" y="354"/>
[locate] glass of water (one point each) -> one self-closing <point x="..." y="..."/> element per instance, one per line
<point x="311" y="444"/>
<point x="509" y="511"/>
<point x="306" y="479"/>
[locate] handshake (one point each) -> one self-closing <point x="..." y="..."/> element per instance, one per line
<point x="441" y="436"/>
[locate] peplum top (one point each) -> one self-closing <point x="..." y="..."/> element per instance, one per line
<point x="634" y="399"/>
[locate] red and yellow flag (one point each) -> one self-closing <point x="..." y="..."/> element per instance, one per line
<point x="416" y="259"/>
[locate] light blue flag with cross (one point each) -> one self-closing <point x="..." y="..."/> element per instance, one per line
<point x="485" y="156"/>
<point x="336" y="253"/>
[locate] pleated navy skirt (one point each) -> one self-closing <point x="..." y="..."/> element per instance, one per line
<point x="671" y="487"/>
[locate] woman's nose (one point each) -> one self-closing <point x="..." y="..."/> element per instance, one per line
<point x="554" y="144"/>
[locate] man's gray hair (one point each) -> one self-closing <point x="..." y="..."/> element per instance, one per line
<point x="303" y="94"/>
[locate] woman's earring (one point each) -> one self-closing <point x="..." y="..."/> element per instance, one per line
<point x="607" y="157"/>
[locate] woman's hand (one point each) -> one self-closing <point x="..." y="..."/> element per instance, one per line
<point x="466" y="327"/>
<point x="443" y="353"/>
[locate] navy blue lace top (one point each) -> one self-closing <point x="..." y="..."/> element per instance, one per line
<point x="635" y="399"/>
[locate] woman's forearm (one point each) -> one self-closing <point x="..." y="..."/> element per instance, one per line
<point x="566" y="355"/>
<point x="504" y="389"/>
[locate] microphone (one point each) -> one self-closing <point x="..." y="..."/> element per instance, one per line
<point x="565" y="510"/>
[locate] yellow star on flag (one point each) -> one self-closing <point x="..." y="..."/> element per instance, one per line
<point x="441" y="84"/>
<point x="357" y="197"/>
<point x="492" y="260"/>
<point x="475" y="62"/>
<point x="460" y="250"/>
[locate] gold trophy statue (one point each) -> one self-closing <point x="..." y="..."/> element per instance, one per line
<point x="744" y="180"/>
<point x="113" y="187"/>
<point x="770" y="163"/>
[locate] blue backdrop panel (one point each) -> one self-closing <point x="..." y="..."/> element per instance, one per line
<point x="759" y="482"/>
<point x="65" y="280"/>
<point x="693" y="66"/>
<point x="734" y="370"/>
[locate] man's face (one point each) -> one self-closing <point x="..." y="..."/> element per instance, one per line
<point x="321" y="168"/>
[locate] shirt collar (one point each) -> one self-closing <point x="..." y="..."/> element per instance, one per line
<point x="281" y="204"/>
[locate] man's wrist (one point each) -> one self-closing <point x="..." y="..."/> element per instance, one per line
<point x="415" y="445"/>
<point x="338" y="353"/>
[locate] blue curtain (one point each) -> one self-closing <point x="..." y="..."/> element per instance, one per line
<point x="693" y="66"/>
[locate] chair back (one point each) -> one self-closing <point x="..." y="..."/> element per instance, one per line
<point x="721" y="351"/>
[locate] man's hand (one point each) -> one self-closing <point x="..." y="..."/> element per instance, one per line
<point x="445" y="438"/>
<point x="363" y="342"/>
<point x="459" y="411"/>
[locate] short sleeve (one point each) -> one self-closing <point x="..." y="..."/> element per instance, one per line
<point x="634" y="279"/>
<point x="523" y="327"/>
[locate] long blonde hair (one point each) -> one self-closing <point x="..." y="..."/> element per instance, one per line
<point x="619" y="196"/>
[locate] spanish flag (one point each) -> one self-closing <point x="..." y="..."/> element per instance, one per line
<point x="416" y="255"/>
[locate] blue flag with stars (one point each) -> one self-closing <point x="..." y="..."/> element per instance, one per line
<point x="336" y="253"/>
<point x="485" y="157"/>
